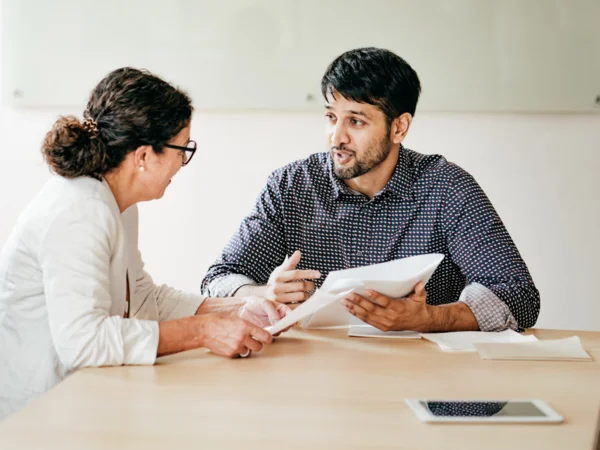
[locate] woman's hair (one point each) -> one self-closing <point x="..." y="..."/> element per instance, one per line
<point x="127" y="109"/>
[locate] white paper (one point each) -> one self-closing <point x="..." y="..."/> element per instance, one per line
<point x="568" y="349"/>
<point x="317" y="301"/>
<point x="464" y="341"/>
<point x="369" y="331"/>
<point x="394" y="279"/>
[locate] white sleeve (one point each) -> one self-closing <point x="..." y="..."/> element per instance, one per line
<point x="149" y="300"/>
<point x="75" y="257"/>
<point x="171" y="303"/>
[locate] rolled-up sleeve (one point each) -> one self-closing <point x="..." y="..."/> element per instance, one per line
<point x="491" y="313"/>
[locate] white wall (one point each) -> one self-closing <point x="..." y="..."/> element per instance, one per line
<point x="541" y="173"/>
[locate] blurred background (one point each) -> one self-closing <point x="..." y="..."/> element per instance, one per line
<point x="511" y="92"/>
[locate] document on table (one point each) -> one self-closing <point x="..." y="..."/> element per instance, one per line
<point x="568" y="349"/>
<point x="394" y="279"/>
<point x="372" y="332"/>
<point x="464" y="341"/>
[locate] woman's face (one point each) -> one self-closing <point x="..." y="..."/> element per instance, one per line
<point x="159" y="169"/>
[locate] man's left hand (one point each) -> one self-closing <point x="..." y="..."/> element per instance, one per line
<point x="388" y="314"/>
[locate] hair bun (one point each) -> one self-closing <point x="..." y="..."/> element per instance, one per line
<point x="72" y="148"/>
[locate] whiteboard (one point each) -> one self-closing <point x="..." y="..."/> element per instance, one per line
<point x="471" y="55"/>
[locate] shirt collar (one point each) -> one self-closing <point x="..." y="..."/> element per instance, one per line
<point x="400" y="184"/>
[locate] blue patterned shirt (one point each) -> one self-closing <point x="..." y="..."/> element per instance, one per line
<point x="428" y="206"/>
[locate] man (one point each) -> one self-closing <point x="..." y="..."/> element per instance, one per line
<point x="371" y="200"/>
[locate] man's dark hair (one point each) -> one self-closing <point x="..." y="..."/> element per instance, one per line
<point x="375" y="76"/>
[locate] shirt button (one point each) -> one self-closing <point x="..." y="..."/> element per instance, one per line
<point x="359" y="253"/>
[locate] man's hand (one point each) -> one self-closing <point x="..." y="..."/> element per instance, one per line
<point x="411" y="313"/>
<point x="387" y="314"/>
<point x="287" y="284"/>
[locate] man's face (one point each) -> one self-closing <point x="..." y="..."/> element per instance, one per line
<point x="358" y="136"/>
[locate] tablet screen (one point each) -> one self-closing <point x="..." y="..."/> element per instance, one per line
<point x="482" y="409"/>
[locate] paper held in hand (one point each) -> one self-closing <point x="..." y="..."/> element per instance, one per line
<point x="394" y="279"/>
<point x="316" y="302"/>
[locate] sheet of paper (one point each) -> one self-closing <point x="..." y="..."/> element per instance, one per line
<point x="395" y="279"/>
<point x="568" y="349"/>
<point x="316" y="302"/>
<point x="372" y="332"/>
<point x="464" y="341"/>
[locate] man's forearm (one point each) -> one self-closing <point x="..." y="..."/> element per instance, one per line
<point x="451" y="317"/>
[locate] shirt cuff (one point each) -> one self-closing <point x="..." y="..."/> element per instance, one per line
<point x="491" y="313"/>
<point x="227" y="286"/>
<point x="140" y="341"/>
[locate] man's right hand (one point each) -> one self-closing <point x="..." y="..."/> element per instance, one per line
<point x="288" y="284"/>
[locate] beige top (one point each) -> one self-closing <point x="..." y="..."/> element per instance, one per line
<point x="309" y="390"/>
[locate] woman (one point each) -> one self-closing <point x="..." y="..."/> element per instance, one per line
<point x="73" y="290"/>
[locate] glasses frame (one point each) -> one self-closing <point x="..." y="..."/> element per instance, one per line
<point x="185" y="149"/>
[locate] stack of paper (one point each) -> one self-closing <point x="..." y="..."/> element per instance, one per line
<point x="369" y="331"/>
<point x="568" y="349"/>
<point x="464" y="341"/>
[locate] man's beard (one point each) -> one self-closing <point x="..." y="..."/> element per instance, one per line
<point x="372" y="158"/>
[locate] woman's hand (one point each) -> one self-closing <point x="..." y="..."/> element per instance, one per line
<point x="261" y="312"/>
<point x="224" y="326"/>
<point x="230" y="337"/>
<point x="223" y="334"/>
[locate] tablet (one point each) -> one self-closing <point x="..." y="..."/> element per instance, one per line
<point x="484" y="411"/>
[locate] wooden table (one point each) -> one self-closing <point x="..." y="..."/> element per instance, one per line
<point x="309" y="390"/>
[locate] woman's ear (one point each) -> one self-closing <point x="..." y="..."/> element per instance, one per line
<point x="141" y="156"/>
<point x="399" y="128"/>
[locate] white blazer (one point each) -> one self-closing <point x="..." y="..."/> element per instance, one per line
<point x="63" y="291"/>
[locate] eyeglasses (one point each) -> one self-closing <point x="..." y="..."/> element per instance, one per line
<point x="190" y="147"/>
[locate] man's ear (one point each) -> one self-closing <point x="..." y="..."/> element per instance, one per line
<point x="399" y="128"/>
